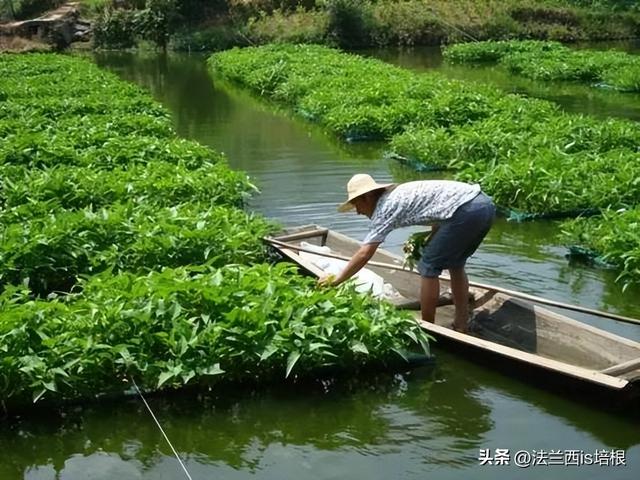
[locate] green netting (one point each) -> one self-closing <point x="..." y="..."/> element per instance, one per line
<point x="587" y="256"/>
<point x="415" y="164"/>
<point x="520" y="216"/>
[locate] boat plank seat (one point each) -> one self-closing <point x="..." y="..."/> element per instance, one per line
<point x="622" y="368"/>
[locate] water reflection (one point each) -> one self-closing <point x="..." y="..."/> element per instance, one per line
<point x="426" y="418"/>
<point x="402" y="426"/>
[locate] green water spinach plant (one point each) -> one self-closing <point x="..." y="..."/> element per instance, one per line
<point x="552" y="61"/>
<point x="89" y="130"/>
<point x="27" y="193"/>
<point x="193" y="326"/>
<point x="47" y="149"/>
<point x="614" y="238"/>
<point x="48" y="253"/>
<point x="493" y="51"/>
<point x="82" y="79"/>
<point x="552" y="184"/>
<point x="353" y="97"/>
<point x="533" y="158"/>
<point x="554" y="65"/>
<point x="54" y="108"/>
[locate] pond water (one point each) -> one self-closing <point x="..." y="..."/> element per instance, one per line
<point x="432" y="422"/>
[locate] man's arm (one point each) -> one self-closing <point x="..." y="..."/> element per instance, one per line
<point x="358" y="260"/>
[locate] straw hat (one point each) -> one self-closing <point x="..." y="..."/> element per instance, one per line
<point x="359" y="185"/>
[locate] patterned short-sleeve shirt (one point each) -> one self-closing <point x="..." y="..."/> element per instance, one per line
<point x="417" y="203"/>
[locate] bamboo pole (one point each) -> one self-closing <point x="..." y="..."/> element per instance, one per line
<point x="513" y="293"/>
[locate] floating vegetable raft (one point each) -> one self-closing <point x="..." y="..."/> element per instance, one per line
<point x="533" y="159"/>
<point x="526" y="153"/>
<point x="125" y="252"/>
<point x="613" y="240"/>
<point x="183" y="326"/>
<point x="553" y="61"/>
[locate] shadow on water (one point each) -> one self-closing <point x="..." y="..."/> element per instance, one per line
<point x="420" y="422"/>
<point x="361" y="418"/>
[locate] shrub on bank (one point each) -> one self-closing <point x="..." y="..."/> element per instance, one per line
<point x="214" y="26"/>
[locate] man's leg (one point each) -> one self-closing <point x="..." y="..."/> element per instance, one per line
<point x="460" y="291"/>
<point x="429" y="294"/>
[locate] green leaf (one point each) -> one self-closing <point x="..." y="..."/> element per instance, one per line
<point x="164" y="376"/>
<point x="37" y="394"/>
<point x="411" y="335"/>
<point x="359" y="347"/>
<point x="212" y="370"/>
<point x="401" y="353"/>
<point x="318" y="345"/>
<point x="291" y="361"/>
<point x="50" y="386"/>
<point x="186" y="376"/>
<point x="267" y="352"/>
<point x="425" y="346"/>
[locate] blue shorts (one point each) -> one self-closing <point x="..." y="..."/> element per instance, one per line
<point x="458" y="237"/>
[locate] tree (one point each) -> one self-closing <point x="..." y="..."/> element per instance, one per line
<point x="158" y="21"/>
<point x="9" y="8"/>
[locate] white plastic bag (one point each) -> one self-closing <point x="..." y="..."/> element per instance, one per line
<point x="365" y="279"/>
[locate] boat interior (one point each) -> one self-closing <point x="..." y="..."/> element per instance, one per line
<point x="496" y="317"/>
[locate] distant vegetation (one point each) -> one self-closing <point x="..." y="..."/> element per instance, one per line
<point x="212" y="25"/>
<point x="21" y="9"/>
<point x="553" y="61"/>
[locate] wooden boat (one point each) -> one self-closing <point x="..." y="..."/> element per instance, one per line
<point x="508" y="331"/>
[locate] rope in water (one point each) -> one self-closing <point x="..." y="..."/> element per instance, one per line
<point x="186" y="472"/>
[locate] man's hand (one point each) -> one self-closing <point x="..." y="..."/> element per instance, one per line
<point x="359" y="260"/>
<point x="326" y="280"/>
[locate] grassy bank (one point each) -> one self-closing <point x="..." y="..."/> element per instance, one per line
<point x="357" y="24"/>
<point x="531" y="157"/>
<point x="126" y="252"/>
<point x="198" y="25"/>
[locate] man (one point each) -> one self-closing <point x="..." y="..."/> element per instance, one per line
<point x="460" y="215"/>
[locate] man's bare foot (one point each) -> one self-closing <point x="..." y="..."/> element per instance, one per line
<point x="461" y="329"/>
